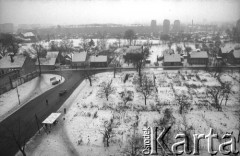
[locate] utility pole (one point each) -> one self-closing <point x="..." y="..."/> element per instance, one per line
<point x="18" y="93"/>
<point x="38" y="48"/>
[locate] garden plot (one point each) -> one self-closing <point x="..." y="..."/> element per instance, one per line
<point x="91" y="113"/>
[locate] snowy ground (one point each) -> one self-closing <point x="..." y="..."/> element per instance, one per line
<point x="27" y="91"/>
<point x="80" y="131"/>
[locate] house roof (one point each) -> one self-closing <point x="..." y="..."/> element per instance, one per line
<point x="6" y="63"/>
<point x="201" y="54"/>
<point x="28" y="34"/>
<point x="100" y="58"/>
<point x="236" y="53"/>
<point x="52" y="54"/>
<point x="47" y="61"/>
<point x="226" y="49"/>
<point x="172" y="58"/>
<point x="79" y="57"/>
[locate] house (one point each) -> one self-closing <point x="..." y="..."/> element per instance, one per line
<point x="29" y="36"/>
<point x="198" y="58"/>
<point x="172" y="60"/>
<point x="98" y="61"/>
<point x="21" y="63"/>
<point x="11" y="68"/>
<point x="234" y="57"/>
<point x="50" y="61"/>
<point x="79" y="59"/>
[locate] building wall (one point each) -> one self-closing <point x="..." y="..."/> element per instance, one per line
<point x="199" y="61"/>
<point x="98" y="64"/>
<point x="172" y="63"/>
<point x="78" y="64"/>
<point x="28" y="66"/>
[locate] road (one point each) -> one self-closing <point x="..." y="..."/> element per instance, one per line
<point x="26" y="114"/>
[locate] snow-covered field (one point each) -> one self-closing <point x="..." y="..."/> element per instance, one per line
<point x="27" y="91"/>
<point x="80" y="131"/>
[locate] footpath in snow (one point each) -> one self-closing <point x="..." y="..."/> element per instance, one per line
<point x="27" y="91"/>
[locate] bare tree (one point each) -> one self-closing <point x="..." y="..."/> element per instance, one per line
<point x="84" y="44"/>
<point x="108" y="132"/>
<point x="88" y="74"/>
<point x="183" y="102"/>
<point x="215" y="94"/>
<point x="134" y="145"/>
<point x="145" y="87"/>
<point x="107" y="89"/>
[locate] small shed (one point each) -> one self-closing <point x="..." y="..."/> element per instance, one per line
<point x="51" y="118"/>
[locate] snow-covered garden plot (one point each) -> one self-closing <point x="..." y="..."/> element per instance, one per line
<point x="27" y="91"/>
<point x="96" y="124"/>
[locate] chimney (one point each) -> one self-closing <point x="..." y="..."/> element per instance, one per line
<point x="12" y="60"/>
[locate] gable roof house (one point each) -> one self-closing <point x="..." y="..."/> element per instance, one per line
<point x="11" y="68"/>
<point x="98" y="61"/>
<point x="198" y="58"/>
<point x="172" y="60"/>
<point x="29" y="36"/>
<point x="50" y="61"/>
<point x="21" y="63"/>
<point x="79" y="59"/>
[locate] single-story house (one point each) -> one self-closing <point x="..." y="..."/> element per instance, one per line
<point x="79" y="59"/>
<point x="234" y="57"/>
<point x="50" y="61"/>
<point x="21" y="63"/>
<point x="98" y="61"/>
<point x="29" y="36"/>
<point x="11" y="68"/>
<point x="199" y="58"/>
<point x="172" y="60"/>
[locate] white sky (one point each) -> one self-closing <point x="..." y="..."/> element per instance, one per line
<point x="117" y="11"/>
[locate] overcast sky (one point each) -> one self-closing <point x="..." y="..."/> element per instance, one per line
<point x="117" y="11"/>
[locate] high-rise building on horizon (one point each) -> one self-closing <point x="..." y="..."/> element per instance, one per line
<point x="176" y="26"/>
<point x="166" y="26"/>
<point x="154" y="26"/>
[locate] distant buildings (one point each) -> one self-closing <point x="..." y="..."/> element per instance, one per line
<point x="6" y="28"/>
<point x="176" y="26"/>
<point x="166" y="26"/>
<point x="154" y="26"/>
<point x="29" y="36"/>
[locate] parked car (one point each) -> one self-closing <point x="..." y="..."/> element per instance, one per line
<point x="62" y="92"/>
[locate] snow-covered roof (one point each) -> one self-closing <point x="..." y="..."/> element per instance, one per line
<point x="18" y="62"/>
<point x="28" y="34"/>
<point x="51" y="118"/>
<point x="52" y="54"/>
<point x="172" y="58"/>
<point x="47" y="61"/>
<point x="236" y="53"/>
<point x="100" y="58"/>
<point x="79" y="57"/>
<point x="226" y="49"/>
<point x="201" y="54"/>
